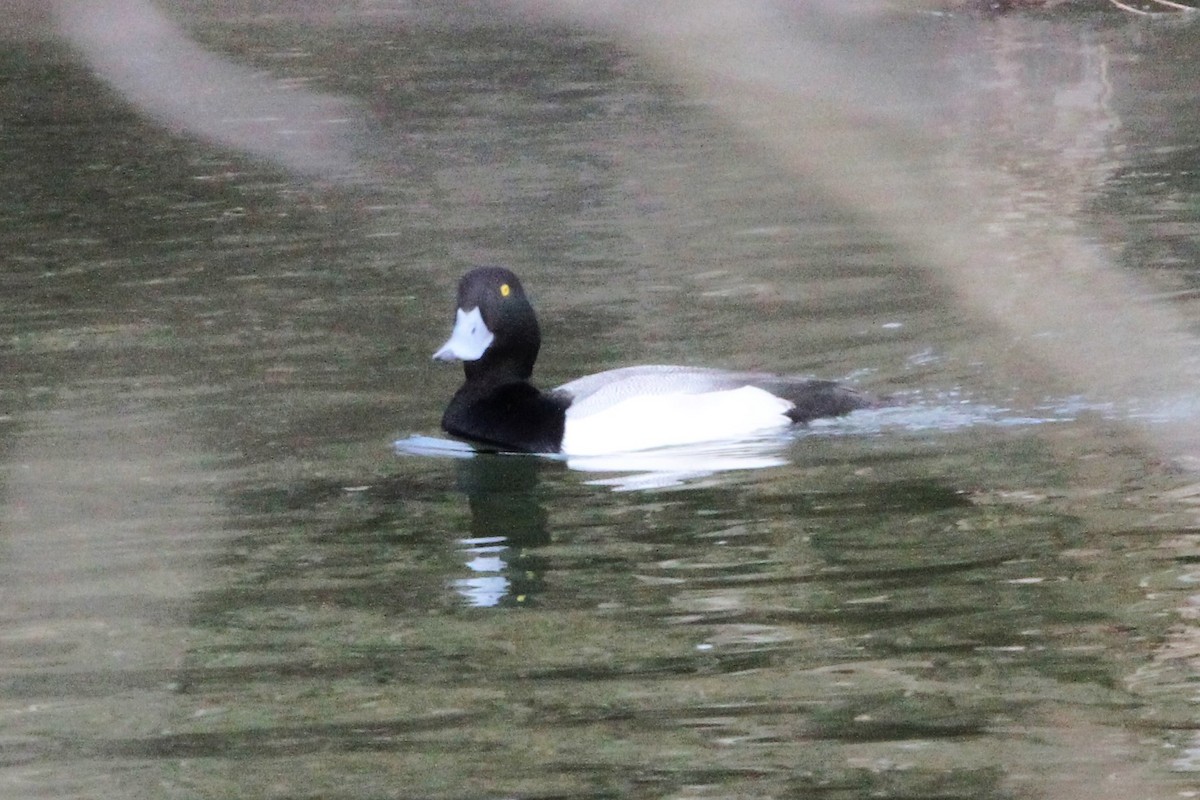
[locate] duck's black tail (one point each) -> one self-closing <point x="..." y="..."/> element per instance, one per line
<point x="815" y="399"/>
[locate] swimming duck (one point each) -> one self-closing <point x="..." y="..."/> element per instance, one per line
<point x="497" y="338"/>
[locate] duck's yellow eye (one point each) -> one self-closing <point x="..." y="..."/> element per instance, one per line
<point x="505" y="290"/>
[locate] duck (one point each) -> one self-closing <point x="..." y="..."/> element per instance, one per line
<point x="497" y="338"/>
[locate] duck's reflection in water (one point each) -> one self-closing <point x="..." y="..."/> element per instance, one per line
<point x="507" y="525"/>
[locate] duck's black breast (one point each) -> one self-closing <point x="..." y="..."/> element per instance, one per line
<point x="510" y="416"/>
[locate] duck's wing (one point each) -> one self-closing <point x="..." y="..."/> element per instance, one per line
<point x="619" y="384"/>
<point x="810" y="398"/>
<point x="592" y="394"/>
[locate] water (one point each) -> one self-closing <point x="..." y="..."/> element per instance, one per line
<point x="222" y="578"/>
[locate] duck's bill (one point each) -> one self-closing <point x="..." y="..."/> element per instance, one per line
<point x="469" y="339"/>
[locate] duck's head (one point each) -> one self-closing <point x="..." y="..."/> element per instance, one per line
<point x="495" y="330"/>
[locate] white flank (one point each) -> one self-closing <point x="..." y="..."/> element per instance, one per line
<point x="666" y="420"/>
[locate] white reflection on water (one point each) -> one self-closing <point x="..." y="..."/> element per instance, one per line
<point x="679" y="466"/>
<point x="1190" y="760"/>
<point x="488" y="586"/>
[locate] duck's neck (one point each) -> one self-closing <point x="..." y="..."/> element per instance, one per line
<point x="496" y="368"/>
